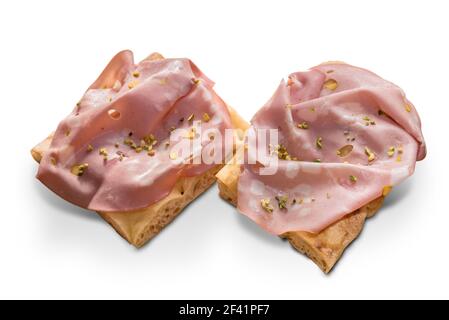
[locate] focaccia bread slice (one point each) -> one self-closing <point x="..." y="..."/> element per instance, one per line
<point x="346" y="138"/>
<point x="325" y="247"/>
<point x="139" y="226"/>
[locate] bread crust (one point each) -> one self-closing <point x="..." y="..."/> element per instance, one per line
<point x="324" y="248"/>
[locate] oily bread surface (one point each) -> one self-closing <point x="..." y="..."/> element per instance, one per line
<point x="138" y="227"/>
<point x="325" y="247"/>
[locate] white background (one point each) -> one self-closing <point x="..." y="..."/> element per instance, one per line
<point x="50" y="53"/>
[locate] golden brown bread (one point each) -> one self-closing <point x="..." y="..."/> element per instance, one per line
<point x="140" y="226"/>
<point x="324" y="248"/>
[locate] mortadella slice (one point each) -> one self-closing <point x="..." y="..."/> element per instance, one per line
<point x="346" y="136"/>
<point x="113" y="152"/>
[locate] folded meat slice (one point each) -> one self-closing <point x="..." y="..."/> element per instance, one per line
<point x="346" y="136"/>
<point x="114" y="151"/>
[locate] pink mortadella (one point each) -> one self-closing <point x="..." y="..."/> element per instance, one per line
<point x="114" y="152"/>
<point x="346" y="136"/>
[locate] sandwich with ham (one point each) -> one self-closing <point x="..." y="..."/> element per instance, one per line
<point x="346" y="137"/>
<point x="116" y="152"/>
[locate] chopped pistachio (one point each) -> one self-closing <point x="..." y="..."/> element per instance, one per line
<point x="282" y="201"/>
<point x="399" y="158"/>
<point x="353" y="178"/>
<point x="303" y="125"/>
<point x="173" y="155"/>
<point x="67" y="132"/>
<point x="190" y="118"/>
<point x="151" y="153"/>
<point x="79" y="169"/>
<point x="331" y="84"/>
<point x="319" y="143"/>
<point x="369" y="121"/>
<point x="401" y="150"/>
<point x="133" y="84"/>
<point x="370" y="154"/>
<point x="196" y="81"/>
<point x="408" y="107"/>
<point x="317" y="160"/>
<point x="138" y="149"/>
<point x="103" y="152"/>
<point x="391" y="151"/>
<point x="150" y="139"/>
<point x="90" y="148"/>
<point x="345" y="150"/>
<point x="130" y="143"/>
<point x="282" y="152"/>
<point x="136" y="74"/>
<point x="265" y="203"/>
<point x="191" y="133"/>
<point x="53" y="160"/>
<point x="206" y="117"/>
<point x="120" y="154"/>
<point x="163" y="81"/>
<point x="288" y="105"/>
<point x="386" y="190"/>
